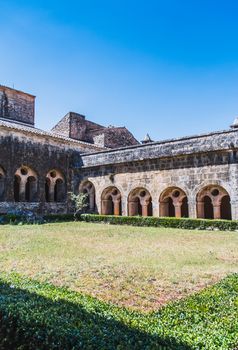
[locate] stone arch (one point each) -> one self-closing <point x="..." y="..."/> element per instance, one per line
<point x="88" y="188"/>
<point x="55" y="187"/>
<point x="25" y="185"/>
<point x="173" y="203"/>
<point x="213" y="202"/>
<point x="207" y="183"/>
<point x="140" y="202"/>
<point x="111" y="201"/>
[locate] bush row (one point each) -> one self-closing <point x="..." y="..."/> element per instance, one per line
<point x="183" y="223"/>
<point x="36" y="315"/>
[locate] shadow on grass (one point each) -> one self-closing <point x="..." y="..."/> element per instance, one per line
<point x="32" y="321"/>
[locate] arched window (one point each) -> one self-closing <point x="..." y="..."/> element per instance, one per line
<point x="25" y="185"/>
<point x="55" y="189"/>
<point x="140" y="202"/>
<point x="173" y="203"/>
<point x="2" y="184"/>
<point x="111" y="201"/>
<point x="88" y="188"/>
<point x="213" y="202"/>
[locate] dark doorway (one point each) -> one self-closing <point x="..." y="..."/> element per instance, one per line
<point x="184" y="208"/>
<point x="17" y="181"/>
<point x="171" y="207"/>
<point x="59" y="192"/>
<point x="208" y="208"/>
<point x="150" y="209"/>
<point x="226" y="208"/>
<point x="30" y="193"/>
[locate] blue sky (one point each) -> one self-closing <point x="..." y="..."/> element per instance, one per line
<point x="169" y="68"/>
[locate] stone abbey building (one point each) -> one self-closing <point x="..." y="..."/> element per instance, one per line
<point x="193" y="176"/>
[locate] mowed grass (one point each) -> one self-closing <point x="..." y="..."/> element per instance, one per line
<point x="140" y="268"/>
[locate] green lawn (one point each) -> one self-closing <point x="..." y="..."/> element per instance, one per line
<point x="140" y="268"/>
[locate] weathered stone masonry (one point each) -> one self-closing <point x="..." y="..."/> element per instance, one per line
<point x="192" y="176"/>
<point x="188" y="165"/>
<point x="17" y="105"/>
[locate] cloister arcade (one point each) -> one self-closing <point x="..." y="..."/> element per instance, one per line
<point x="213" y="202"/>
<point x="111" y="201"/>
<point x="173" y="202"/>
<point x="139" y="202"/>
<point x="25" y="185"/>
<point x="88" y="188"/>
<point x="54" y="186"/>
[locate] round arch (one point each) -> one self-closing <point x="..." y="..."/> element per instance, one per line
<point x="140" y="202"/>
<point x="55" y="186"/>
<point x="25" y="184"/>
<point x="213" y="202"/>
<point x="173" y="202"/>
<point x="111" y="201"/>
<point x="88" y="188"/>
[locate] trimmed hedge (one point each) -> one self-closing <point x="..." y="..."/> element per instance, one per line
<point x="37" y="315"/>
<point x="183" y="223"/>
<point x="149" y="221"/>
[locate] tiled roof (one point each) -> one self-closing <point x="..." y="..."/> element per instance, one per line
<point x="36" y="131"/>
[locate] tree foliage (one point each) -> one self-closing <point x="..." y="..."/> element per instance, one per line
<point x="80" y="202"/>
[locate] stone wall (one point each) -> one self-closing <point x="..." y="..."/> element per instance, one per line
<point x="217" y="141"/>
<point x="160" y="174"/>
<point x="75" y="126"/>
<point x="113" y="137"/>
<point x="16" y="153"/>
<point x="17" y="105"/>
<point x="179" y="177"/>
<point x="40" y="152"/>
<point x="190" y="164"/>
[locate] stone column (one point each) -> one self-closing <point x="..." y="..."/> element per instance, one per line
<point x="200" y="210"/>
<point x="106" y="206"/>
<point x="22" y="190"/>
<point x="155" y="208"/>
<point x="144" y="209"/>
<point x="164" y="209"/>
<point x="217" y="211"/>
<point x="133" y="209"/>
<point x="177" y="207"/>
<point x="124" y="206"/>
<point x="91" y="201"/>
<point x="52" y="191"/>
<point x="117" y="206"/>
<point x="192" y="209"/>
<point x="234" y="210"/>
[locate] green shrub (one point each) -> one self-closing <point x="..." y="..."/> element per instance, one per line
<point x="13" y="219"/>
<point x="150" y="221"/>
<point x="10" y="219"/>
<point x="183" y="223"/>
<point x="37" y="315"/>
